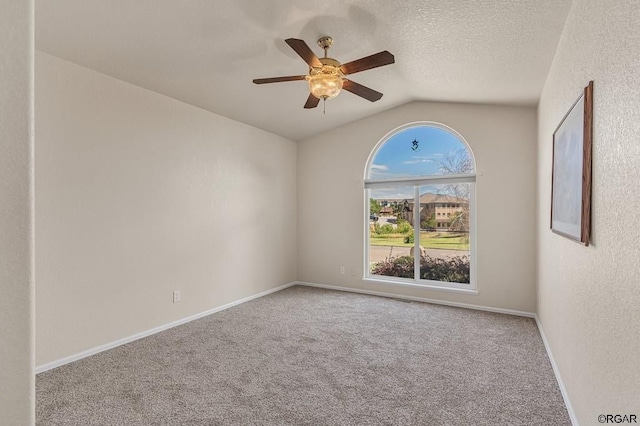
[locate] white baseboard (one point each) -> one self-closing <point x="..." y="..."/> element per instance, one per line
<point x="421" y="299"/>
<point x="554" y="366"/>
<point x="119" y="342"/>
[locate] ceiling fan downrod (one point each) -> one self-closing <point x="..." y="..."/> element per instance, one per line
<point x="325" y="43"/>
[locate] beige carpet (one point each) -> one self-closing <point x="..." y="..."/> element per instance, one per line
<point x="306" y="356"/>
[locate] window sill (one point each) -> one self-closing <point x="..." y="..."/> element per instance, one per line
<point x="422" y="286"/>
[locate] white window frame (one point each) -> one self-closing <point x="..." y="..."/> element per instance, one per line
<point x="417" y="182"/>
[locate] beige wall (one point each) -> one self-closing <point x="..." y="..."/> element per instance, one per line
<point x="139" y="195"/>
<point x="16" y="219"/>
<point x="589" y="297"/>
<point x="331" y="211"/>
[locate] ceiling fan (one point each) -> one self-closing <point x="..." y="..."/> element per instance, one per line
<point x="327" y="76"/>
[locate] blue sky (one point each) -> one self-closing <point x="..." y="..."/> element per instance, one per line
<point x="397" y="157"/>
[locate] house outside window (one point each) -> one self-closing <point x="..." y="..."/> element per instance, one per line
<point x="425" y="173"/>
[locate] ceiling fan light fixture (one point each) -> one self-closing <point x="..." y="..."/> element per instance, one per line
<point x="325" y="82"/>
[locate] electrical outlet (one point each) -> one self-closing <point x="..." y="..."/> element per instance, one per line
<point x="342" y="270"/>
<point x="176" y="296"/>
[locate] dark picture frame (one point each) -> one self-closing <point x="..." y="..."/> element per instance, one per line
<point x="571" y="171"/>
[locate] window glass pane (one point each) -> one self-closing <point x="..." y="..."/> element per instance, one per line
<point x="443" y="213"/>
<point x="390" y="232"/>
<point x="420" y="151"/>
<point x="444" y="232"/>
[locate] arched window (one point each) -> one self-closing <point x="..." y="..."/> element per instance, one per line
<point x="420" y="192"/>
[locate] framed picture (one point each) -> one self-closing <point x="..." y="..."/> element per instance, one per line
<point x="571" y="179"/>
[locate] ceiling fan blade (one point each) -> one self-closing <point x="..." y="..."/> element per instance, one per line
<point x="376" y="60"/>
<point x="312" y="102"/>
<point x="279" y="79"/>
<point x="304" y="51"/>
<point x="360" y="90"/>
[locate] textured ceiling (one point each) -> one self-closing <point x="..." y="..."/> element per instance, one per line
<point x="207" y="52"/>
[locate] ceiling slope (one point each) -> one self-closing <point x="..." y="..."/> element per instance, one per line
<point x="207" y="53"/>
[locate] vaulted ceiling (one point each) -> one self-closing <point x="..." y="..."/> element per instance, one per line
<point x="207" y="52"/>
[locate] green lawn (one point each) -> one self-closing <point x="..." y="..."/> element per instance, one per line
<point x="428" y="240"/>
